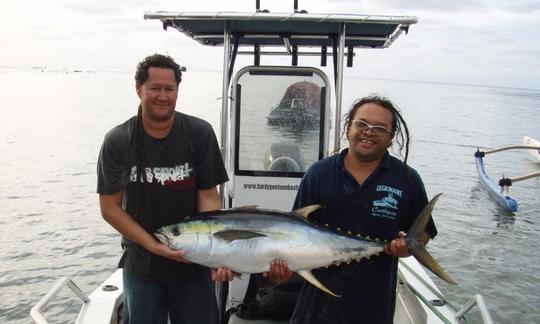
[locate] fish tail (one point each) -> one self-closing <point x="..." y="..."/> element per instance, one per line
<point x="416" y="246"/>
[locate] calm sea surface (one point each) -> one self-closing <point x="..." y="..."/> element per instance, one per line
<point x="52" y="124"/>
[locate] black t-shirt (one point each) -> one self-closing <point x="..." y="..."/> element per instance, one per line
<point x="386" y="203"/>
<point x="176" y="166"/>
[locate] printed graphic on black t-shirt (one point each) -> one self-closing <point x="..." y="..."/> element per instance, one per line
<point x="178" y="177"/>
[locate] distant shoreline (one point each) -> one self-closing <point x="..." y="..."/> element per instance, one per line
<point x="130" y="70"/>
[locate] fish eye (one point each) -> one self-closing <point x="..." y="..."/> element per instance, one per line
<point x="176" y="230"/>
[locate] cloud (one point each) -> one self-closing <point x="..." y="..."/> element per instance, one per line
<point x="106" y="8"/>
<point x="453" y="41"/>
<point x="441" y="6"/>
<point x="410" y="5"/>
<point x="523" y="7"/>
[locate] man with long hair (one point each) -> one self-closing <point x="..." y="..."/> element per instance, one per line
<point x="366" y="191"/>
<point x="153" y="170"/>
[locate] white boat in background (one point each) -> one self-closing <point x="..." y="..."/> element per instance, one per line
<point x="269" y="173"/>
<point x="532" y="142"/>
<point x="500" y="190"/>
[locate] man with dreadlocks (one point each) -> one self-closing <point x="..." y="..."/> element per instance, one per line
<point x="367" y="191"/>
<point x="153" y="170"/>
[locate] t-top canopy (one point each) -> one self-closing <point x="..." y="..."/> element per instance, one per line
<point x="277" y="29"/>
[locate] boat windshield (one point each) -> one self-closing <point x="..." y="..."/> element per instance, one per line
<point x="279" y="117"/>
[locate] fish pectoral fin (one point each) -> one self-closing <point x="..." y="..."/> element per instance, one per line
<point x="233" y="235"/>
<point x="305" y="211"/>
<point x="306" y="274"/>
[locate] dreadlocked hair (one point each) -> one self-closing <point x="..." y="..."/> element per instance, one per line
<point x="400" y="130"/>
<point x="141" y="179"/>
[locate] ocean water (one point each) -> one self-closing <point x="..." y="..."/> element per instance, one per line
<point x="53" y="123"/>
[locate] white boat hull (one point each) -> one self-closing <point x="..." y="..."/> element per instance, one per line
<point x="493" y="189"/>
<point x="532" y="142"/>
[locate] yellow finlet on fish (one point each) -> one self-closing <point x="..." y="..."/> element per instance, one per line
<point x="305" y="211"/>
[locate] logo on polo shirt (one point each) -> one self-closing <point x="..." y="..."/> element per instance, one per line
<point x="387" y="206"/>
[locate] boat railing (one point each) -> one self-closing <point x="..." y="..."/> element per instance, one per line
<point x="36" y="314"/>
<point x="103" y="305"/>
<point x="477" y="300"/>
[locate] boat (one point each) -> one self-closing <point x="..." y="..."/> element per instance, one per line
<point x="500" y="191"/>
<point x="299" y="106"/>
<point x="529" y="141"/>
<point x="389" y="202"/>
<point x="268" y="174"/>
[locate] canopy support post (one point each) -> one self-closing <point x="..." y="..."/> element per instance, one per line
<point x="339" y="83"/>
<point x="224" y="96"/>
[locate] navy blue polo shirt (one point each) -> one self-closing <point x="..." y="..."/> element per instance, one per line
<point x="386" y="203"/>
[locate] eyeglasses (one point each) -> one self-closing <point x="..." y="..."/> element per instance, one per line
<point x="362" y="126"/>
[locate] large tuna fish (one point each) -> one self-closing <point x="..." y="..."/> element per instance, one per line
<point x="246" y="240"/>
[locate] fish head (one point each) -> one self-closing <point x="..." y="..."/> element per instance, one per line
<point x="190" y="237"/>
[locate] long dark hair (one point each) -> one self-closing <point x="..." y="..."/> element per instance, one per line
<point x="400" y="130"/>
<point x="141" y="76"/>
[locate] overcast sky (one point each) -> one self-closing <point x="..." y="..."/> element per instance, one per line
<point x="486" y="42"/>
